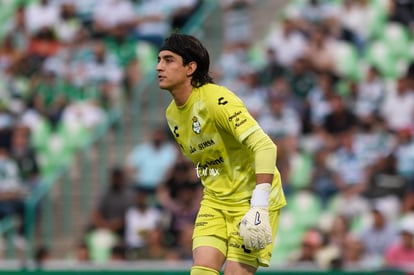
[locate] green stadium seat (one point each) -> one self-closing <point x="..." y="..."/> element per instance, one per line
<point x="291" y="9"/>
<point x="257" y="55"/>
<point x="8" y="7"/>
<point x="360" y="221"/>
<point x="56" y="156"/>
<point x="343" y="87"/>
<point x="380" y="54"/>
<point x="397" y="38"/>
<point x="41" y="134"/>
<point x="347" y="60"/>
<point x="147" y="56"/>
<point x="390" y="48"/>
<point x="378" y="20"/>
<point x="288" y="237"/>
<point x="281" y="253"/>
<point x="301" y="173"/>
<point x="74" y="135"/>
<point x="305" y="205"/>
<point x="6" y="12"/>
<point x="333" y="203"/>
<point x="99" y="243"/>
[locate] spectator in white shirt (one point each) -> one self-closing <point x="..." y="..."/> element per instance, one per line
<point x="350" y="175"/>
<point x="404" y="153"/>
<point x="153" y="22"/>
<point x="111" y="13"/>
<point x="41" y="15"/>
<point x="398" y="107"/>
<point x="354" y="17"/>
<point x="288" y="43"/>
<point x="140" y="219"/>
<point x="103" y="66"/>
<point x="281" y="120"/>
<point x="370" y="94"/>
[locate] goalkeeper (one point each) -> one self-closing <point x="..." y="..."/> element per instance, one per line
<point x="235" y="159"/>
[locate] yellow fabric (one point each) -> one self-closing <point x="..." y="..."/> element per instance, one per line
<point x="213" y="241"/>
<point x="201" y="270"/>
<point x="264" y="150"/>
<point x="220" y="229"/>
<point x="210" y="129"/>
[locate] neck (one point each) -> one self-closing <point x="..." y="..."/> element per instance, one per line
<point x="182" y="94"/>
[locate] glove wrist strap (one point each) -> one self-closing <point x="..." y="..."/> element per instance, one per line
<point x="260" y="196"/>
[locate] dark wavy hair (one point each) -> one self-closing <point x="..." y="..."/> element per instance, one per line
<point x="191" y="49"/>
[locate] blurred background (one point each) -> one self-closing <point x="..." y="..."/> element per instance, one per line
<point x="91" y="180"/>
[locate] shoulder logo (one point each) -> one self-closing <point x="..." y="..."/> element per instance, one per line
<point x="222" y="101"/>
<point x="196" y="125"/>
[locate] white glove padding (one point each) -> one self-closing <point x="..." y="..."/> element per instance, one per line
<point x="255" y="228"/>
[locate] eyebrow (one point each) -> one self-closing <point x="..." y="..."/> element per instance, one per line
<point x="166" y="56"/>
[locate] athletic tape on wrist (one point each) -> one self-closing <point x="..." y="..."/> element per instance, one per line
<point x="260" y="196"/>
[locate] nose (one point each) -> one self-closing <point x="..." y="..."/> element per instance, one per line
<point x="159" y="65"/>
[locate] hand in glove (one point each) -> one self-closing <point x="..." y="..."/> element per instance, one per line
<point x="255" y="228"/>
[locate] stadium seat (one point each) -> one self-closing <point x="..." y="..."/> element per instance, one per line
<point x="301" y="173"/>
<point x="360" y="222"/>
<point x="74" y="135"/>
<point x="305" y="205"/>
<point x="282" y="251"/>
<point x="6" y="11"/>
<point x="378" y="20"/>
<point x="256" y="55"/>
<point x="99" y="243"/>
<point x="40" y="135"/>
<point x="147" y="56"/>
<point x="292" y="9"/>
<point x="55" y="156"/>
<point x="397" y="38"/>
<point x="347" y="60"/>
<point x="381" y="55"/>
<point x="288" y="237"/>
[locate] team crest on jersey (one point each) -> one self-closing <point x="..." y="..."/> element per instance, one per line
<point x="196" y="125"/>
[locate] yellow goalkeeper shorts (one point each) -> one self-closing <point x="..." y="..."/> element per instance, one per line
<point x="220" y="229"/>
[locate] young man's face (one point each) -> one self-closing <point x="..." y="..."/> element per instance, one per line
<point x="172" y="73"/>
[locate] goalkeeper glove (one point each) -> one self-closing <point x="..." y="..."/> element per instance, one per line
<point x="255" y="227"/>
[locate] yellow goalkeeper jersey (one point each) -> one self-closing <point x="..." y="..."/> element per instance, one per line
<point x="210" y="128"/>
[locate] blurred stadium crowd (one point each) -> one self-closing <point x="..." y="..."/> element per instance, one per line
<point x="332" y="82"/>
<point x="66" y="67"/>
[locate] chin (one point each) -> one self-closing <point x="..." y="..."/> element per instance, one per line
<point x="163" y="87"/>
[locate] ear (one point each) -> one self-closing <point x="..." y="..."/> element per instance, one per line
<point x="191" y="68"/>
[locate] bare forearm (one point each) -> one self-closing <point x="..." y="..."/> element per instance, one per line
<point x="264" y="178"/>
